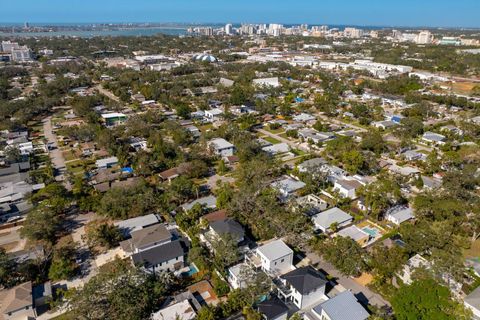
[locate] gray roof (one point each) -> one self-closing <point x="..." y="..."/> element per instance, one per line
<point x="277" y="148"/>
<point x="158" y="254"/>
<point x="272" y="308"/>
<point x="432" y="136"/>
<point x="334" y="215"/>
<point x="150" y="235"/>
<point x="473" y="299"/>
<point x="312" y="164"/>
<point x="275" y="249"/>
<point x="344" y="306"/>
<point x="209" y="202"/>
<point x="229" y="226"/>
<point x="353" y="232"/>
<point x="220" y="144"/>
<point x="402" y="214"/>
<point x="133" y="224"/>
<point x="305" y="280"/>
<point x="288" y="185"/>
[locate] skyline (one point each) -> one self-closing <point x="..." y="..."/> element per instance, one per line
<point x="429" y="13"/>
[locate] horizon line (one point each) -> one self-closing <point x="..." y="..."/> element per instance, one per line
<point x="6" y="24"/>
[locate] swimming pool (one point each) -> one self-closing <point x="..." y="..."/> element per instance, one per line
<point x="192" y="270"/>
<point x="373" y="232"/>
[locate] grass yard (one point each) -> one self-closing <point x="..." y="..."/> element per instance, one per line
<point x="75" y="166"/>
<point x="276" y="131"/>
<point x="271" y="140"/>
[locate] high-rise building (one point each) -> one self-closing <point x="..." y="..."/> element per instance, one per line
<point x="22" y="53"/>
<point x="424" y="37"/>
<point x="8" y="46"/>
<point x="353" y="33"/>
<point x="229" y="29"/>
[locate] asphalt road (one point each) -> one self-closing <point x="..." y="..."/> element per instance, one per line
<point x="56" y="156"/>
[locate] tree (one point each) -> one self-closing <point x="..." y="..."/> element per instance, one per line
<point x="385" y="262"/>
<point x="41" y="224"/>
<point x="103" y="234"/>
<point x="63" y="264"/>
<point x="426" y="300"/>
<point x="225" y="249"/>
<point x="345" y="254"/>
<point x="118" y="291"/>
<point x="7" y="269"/>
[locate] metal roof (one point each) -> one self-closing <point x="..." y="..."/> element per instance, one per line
<point x="344" y="306"/>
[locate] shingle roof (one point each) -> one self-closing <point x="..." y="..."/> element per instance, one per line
<point x="229" y="226"/>
<point x="305" y="280"/>
<point x="344" y="306"/>
<point x="272" y="308"/>
<point x="156" y="255"/>
<point x="150" y="235"/>
<point x="16" y="298"/>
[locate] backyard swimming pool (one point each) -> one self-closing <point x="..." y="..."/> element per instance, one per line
<point x="373" y="232"/>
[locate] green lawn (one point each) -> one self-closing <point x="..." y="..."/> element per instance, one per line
<point x="271" y="140"/>
<point x="276" y="131"/>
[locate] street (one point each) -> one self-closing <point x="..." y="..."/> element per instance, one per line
<point x="56" y="156"/>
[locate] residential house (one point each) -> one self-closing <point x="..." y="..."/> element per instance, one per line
<point x="155" y="249"/>
<point x="288" y="186"/>
<point x="267" y="82"/>
<point x="311" y="204"/>
<point x="277" y="148"/>
<point x="304" y="117"/>
<point x="384" y="125"/>
<point x="316" y="137"/>
<point x="227" y="226"/>
<point x="170" y="174"/>
<point x="303" y="286"/>
<point x="433" y="138"/>
<point x="343" y="306"/>
<point x="147" y="238"/>
<point x="274" y="257"/>
<point x="415" y="262"/>
<point x="134" y="224"/>
<point x="106" y="163"/>
<point x="213" y="115"/>
<point x="114" y="119"/>
<point x="237" y="275"/>
<point x="273" y="309"/>
<point x="324" y="220"/>
<point x="347" y="187"/>
<point x="180" y="310"/>
<point x="209" y="202"/>
<point x="221" y="147"/>
<point x="17" y="302"/>
<point x="472" y="302"/>
<point x="356" y="234"/>
<point x="312" y="166"/>
<point x="399" y="214"/>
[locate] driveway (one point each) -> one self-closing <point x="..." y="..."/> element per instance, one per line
<point x="56" y="156"/>
<point x="292" y="144"/>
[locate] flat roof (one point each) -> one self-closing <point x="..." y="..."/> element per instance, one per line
<point x="274" y="249"/>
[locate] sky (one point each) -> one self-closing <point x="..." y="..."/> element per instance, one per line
<point x="433" y="13"/>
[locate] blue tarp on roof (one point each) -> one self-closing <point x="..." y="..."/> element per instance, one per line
<point x="127" y="170"/>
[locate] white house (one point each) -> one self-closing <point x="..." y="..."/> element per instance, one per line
<point x="267" y="82"/>
<point x="237" y="274"/>
<point x="347" y="188"/>
<point x="398" y="215"/>
<point x="303" y="286"/>
<point x="222" y="147"/>
<point x="274" y="257"/>
<point x="324" y="220"/>
<point x="180" y="310"/>
<point x="288" y="186"/>
<point x="106" y="163"/>
<point x="213" y="115"/>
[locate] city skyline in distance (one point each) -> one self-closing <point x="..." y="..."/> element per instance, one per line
<point x="408" y="13"/>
